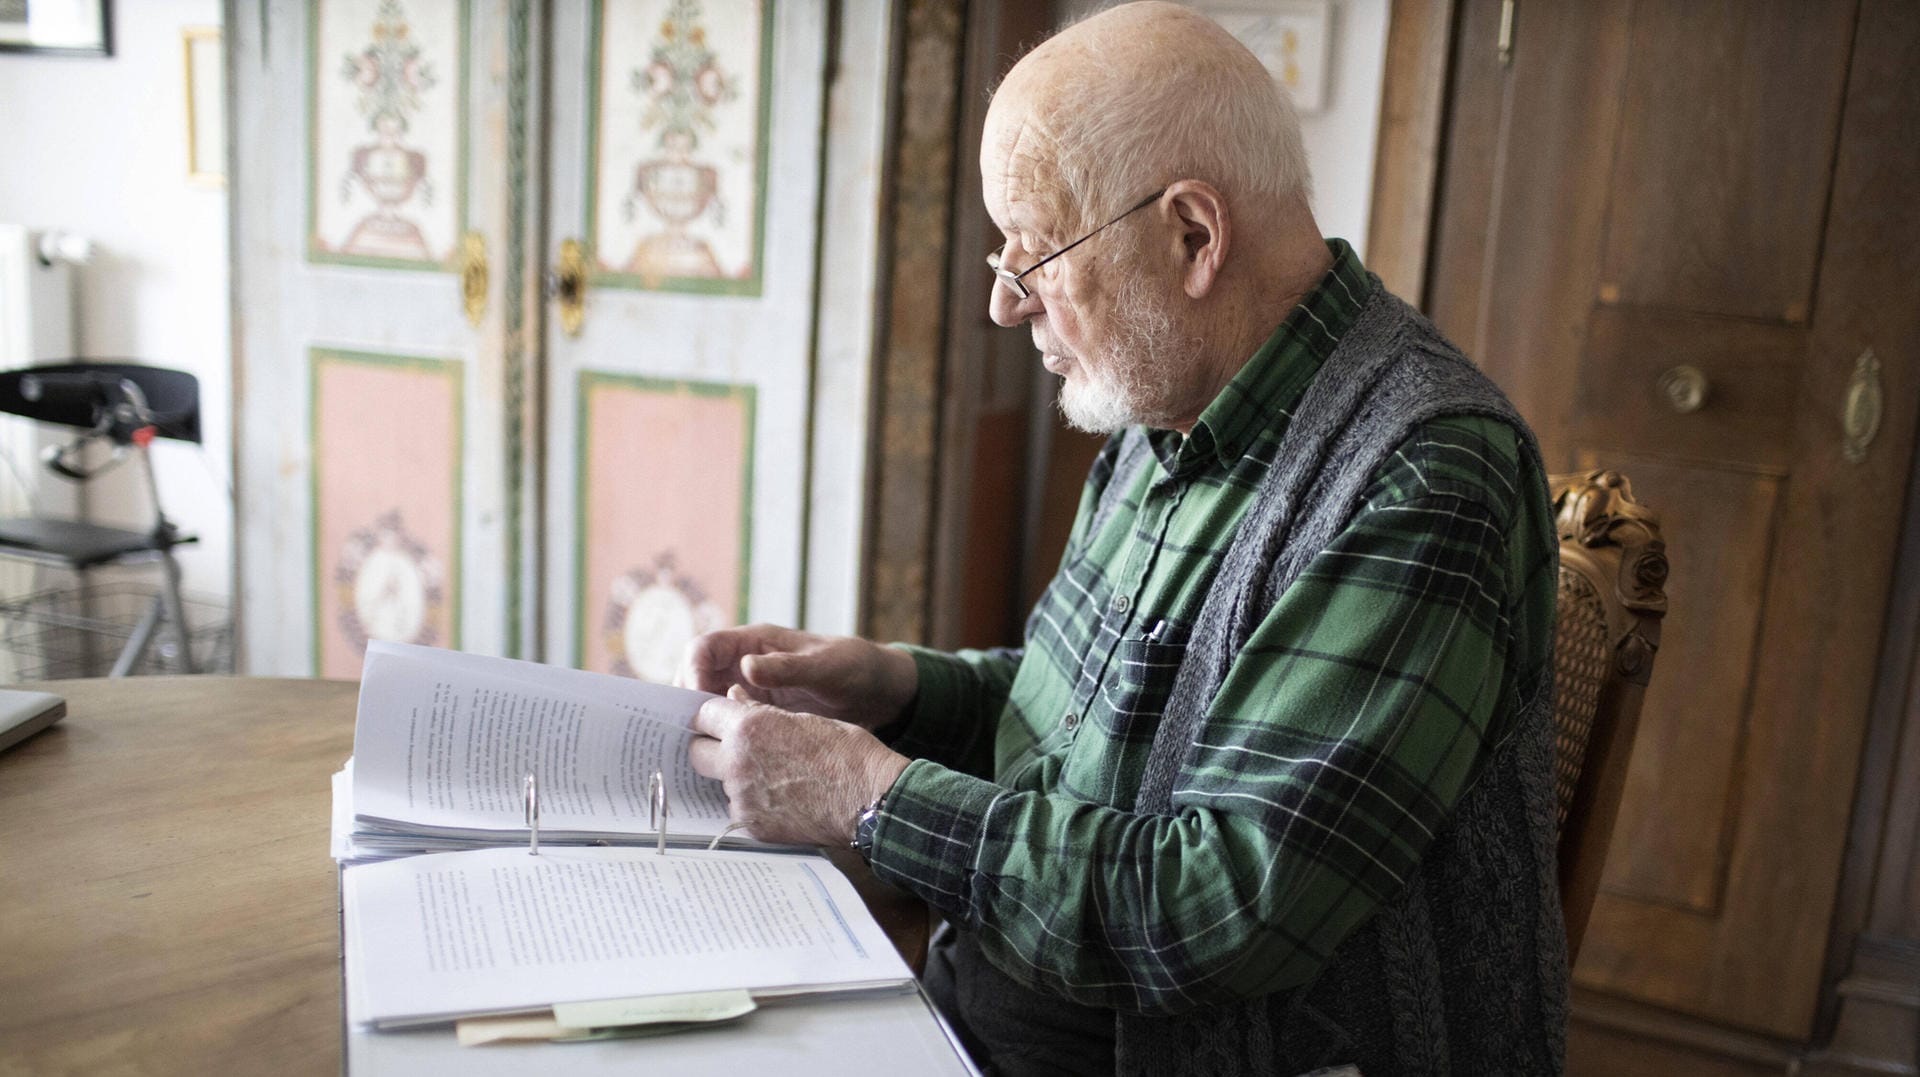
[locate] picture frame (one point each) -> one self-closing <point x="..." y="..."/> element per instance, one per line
<point x="1293" y="38"/>
<point x="204" y="62"/>
<point x="57" y="27"/>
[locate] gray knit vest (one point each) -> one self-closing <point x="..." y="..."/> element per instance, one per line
<point x="1465" y="970"/>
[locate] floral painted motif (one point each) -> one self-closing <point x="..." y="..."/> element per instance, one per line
<point x="390" y="76"/>
<point x="652" y="614"/>
<point x="681" y="87"/>
<point x="390" y="586"/>
<point x="680" y="144"/>
<point x="684" y="82"/>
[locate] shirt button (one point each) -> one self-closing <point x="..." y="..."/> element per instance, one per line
<point x="1121" y="603"/>
<point x="1070" y="721"/>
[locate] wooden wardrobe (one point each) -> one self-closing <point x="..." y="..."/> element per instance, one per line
<point x="1684" y="236"/>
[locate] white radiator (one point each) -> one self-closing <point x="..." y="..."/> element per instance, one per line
<point x="36" y="296"/>
<point x="36" y="326"/>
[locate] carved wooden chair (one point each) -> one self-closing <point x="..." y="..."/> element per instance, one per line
<point x="1613" y="568"/>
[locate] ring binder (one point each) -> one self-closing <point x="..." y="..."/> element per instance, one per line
<point x="657" y="810"/>
<point x="533" y="816"/>
<point x="714" y="845"/>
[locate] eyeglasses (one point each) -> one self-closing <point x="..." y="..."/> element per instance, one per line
<point x="1012" y="280"/>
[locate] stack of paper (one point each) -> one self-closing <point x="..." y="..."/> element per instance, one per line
<point x="434" y="938"/>
<point x="444" y="742"/>
<point x="443" y="745"/>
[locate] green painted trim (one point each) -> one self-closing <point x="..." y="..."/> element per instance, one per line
<point x="462" y="154"/>
<point x="515" y="345"/>
<point x="751" y="285"/>
<point x="455" y="370"/>
<point x="311" y="85"/>
<point x="463" y="146"/>
<point x="596" y="43"/>
<point x="589" y="380"/>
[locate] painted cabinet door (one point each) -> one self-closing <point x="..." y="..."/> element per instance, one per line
<point x="434" y="447"/>
<point x="678" y="390"/>
<point x="371" y="188"/>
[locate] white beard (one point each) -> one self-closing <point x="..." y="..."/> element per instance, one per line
<point x="1134" y="377"/>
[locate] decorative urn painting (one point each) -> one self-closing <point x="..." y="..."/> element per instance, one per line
<point x="679" y="142"/>
<point x="388" y="104"/>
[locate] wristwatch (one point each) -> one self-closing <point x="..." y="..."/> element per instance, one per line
<point x="864" y="826"/>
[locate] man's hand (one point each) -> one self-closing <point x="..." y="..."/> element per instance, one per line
<point x="791" y="778"/>
<point x="840" y="677"/>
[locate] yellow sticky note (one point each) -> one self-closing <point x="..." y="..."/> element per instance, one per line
<point x="514" y="1028"/>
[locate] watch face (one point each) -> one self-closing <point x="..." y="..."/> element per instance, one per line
<point x="388" y="585"/>
<point x="652" y="614"/>
<point x="864" y="828"/>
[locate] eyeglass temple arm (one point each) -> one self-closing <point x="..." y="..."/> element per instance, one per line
<point x="1142" y="204"/>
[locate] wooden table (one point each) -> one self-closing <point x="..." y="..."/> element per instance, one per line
<point x="167" y="902"/>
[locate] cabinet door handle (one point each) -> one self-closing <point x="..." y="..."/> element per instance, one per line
<point x="474" y="276"/>
<point x="1684" y="388"/>
<point x="1860" y="413"/>
<point x="567" y="286"/>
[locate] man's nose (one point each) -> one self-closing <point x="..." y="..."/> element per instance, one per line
<point x="1007" y="308"/>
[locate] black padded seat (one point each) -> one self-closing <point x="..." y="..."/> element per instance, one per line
<point x="80" y="545"/>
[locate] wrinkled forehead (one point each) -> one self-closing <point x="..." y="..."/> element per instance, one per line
<point x="1019" y="169"/>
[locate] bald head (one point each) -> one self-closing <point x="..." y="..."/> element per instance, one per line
<point x="1131" y="99"/>
<point x="1146" y="312"/>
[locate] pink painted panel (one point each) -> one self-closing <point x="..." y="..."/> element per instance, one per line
<point x="665" y="480"/>
<point x="386" y="499"/>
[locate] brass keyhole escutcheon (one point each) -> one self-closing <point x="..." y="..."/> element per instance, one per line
<point x="1860" y="414"/>
<point x="1684" y="388"/>
<point x="570" y="286"/>
<point x="474" y="276"/>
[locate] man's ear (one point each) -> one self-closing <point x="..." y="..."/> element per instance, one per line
<point x="1200" y="212"/>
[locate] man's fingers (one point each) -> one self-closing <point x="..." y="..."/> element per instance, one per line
<point x="717" y="717"/>
<point x="705" y="663"/>
<point x="704" y="754"/>
<point x="767" y="670"/>
<point x="715" y="660"/>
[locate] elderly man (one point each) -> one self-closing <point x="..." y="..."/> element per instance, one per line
<point x="1269" y="786"/>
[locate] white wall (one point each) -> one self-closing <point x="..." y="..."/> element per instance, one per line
<point x="99" y="147"/>
<point x="1340" y="138"/>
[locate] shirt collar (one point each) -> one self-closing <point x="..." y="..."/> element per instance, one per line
<point x="1262" y="395"/>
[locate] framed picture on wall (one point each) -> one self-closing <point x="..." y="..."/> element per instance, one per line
<point x="74" y="27"/>
<point x="206" y="106"/>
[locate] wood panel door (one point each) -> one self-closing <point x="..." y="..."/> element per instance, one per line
<point x="1681" y="234"/>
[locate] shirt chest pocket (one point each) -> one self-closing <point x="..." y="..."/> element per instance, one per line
<point x="1141" y="679"/>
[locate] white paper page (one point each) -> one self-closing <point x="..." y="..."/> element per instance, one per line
<point x="342" y="814"/>
<point x="445" y="739"/>
<point x="496" y="929"/>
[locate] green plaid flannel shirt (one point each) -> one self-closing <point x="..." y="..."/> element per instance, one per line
<point x="1362" y="708"/>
